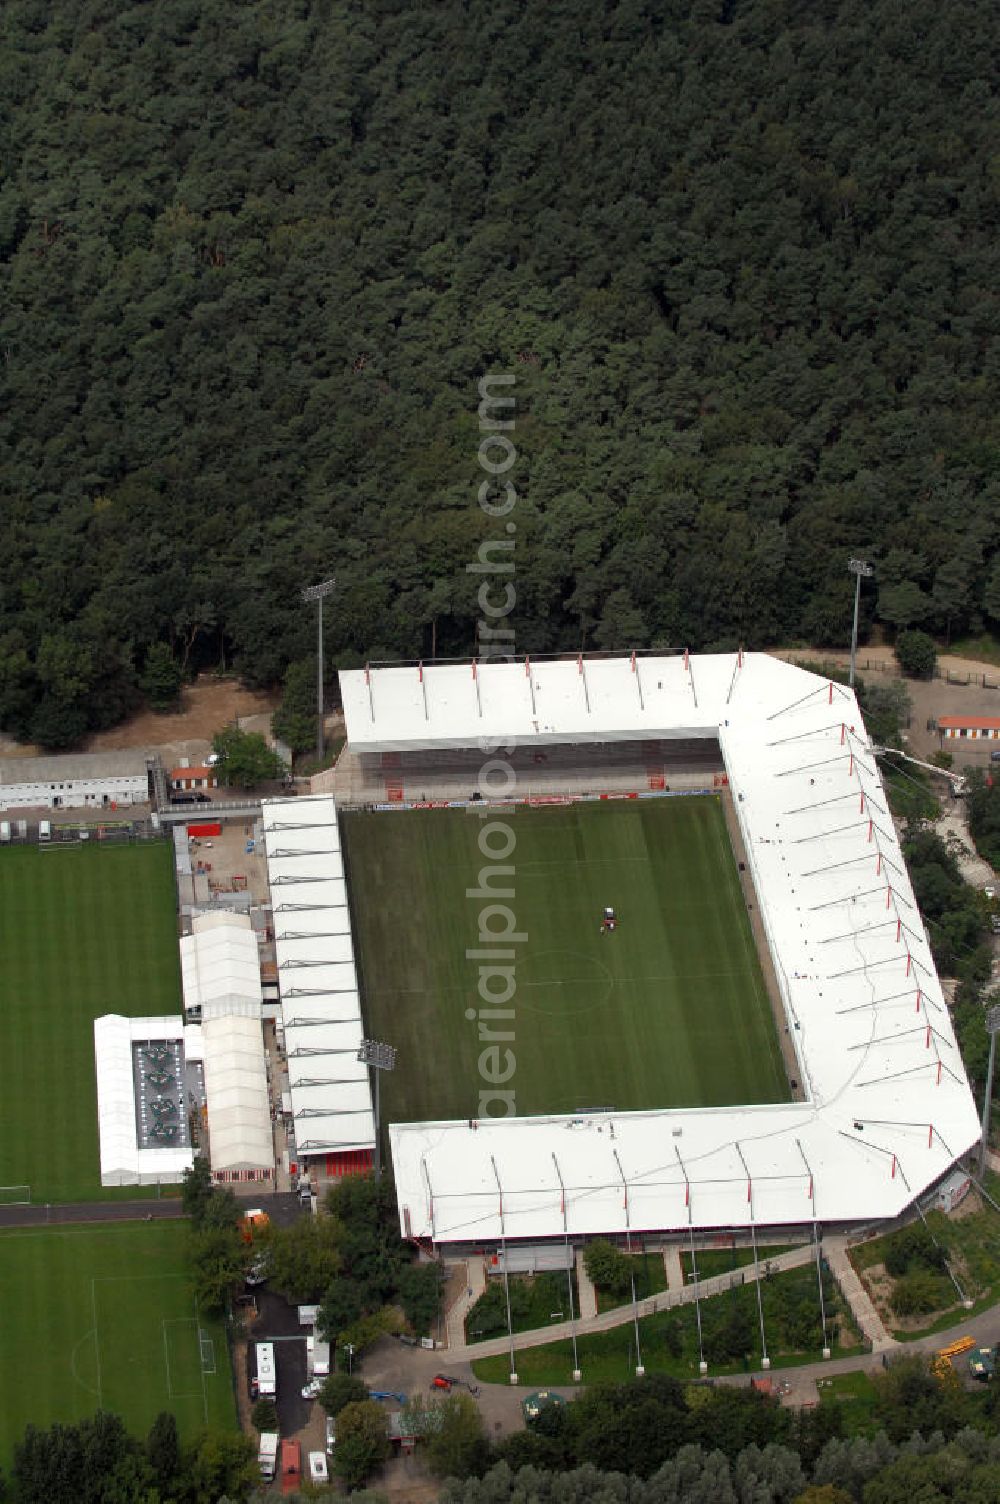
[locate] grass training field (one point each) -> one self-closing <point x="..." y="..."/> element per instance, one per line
<point x="669" y="1011"/>
<point x="104" y="1317"/>
<point x="84" y="930"/>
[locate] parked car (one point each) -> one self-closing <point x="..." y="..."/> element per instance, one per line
<point x="312" y="1389"/>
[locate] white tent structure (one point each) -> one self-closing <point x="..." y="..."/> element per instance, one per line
<point x="320" y="1006"/>
<point x="123" y="1162"/>
<point x="239" y="1111"/>
<point x="888" y="1108"/>
<point x="220" y="968"/>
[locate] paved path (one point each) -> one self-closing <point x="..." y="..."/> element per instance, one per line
<point x="674" y="1267"/>
<point x="866" y="1317"/>
<point x="585" y="1289"/>
<point x="475" y="1285"/>
<point x="58" y="1214"/>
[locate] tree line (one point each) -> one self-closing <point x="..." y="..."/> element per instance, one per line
<point x="254" y="260"/>
<point x="647" y="1441"/>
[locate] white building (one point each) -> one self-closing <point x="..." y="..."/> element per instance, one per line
<point x="78" y="780"/>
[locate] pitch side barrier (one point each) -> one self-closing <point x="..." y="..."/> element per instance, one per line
<point x="539" y="799"/>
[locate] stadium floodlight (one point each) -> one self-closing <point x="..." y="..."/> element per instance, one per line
<point x="318" y="593"/>
<point x="861" y="570"/>
<point x="992" y="1028"/>
<point x="380" y="1057"/>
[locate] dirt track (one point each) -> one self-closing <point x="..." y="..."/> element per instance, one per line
<point x="207" y="705"/>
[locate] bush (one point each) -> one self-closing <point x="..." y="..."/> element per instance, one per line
<point x="608" y="1267"/>
<point x="912" y="1250"/>
<point x="265" y="1415"/>
<point x="420" y="1288"/>
<point x="341" y="1389"/>
<point x="917" y="1293"/>
<point x="916" y="654"/>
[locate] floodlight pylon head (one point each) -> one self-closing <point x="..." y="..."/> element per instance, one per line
<point x="317" y="592"/>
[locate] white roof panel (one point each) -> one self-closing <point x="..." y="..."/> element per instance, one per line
<point x="320" y="1006"/>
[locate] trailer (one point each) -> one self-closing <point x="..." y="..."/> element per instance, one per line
<point x="267" y="1455"/>
<point x="266" y="1385"/>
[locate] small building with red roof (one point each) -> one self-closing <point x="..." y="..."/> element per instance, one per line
<point x="183" y="780"/>
<point x="969" y="727"/>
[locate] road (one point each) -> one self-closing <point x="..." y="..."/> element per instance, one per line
<point x="282" y="1208"/>
<point x="63" y="1214"/>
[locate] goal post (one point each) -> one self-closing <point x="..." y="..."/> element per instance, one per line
<point x="15" y="1195"/>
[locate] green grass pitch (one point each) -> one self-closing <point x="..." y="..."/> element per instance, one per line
<point x="83" y="931"/>
<point x="104" y="1317"/>
<point x="669" y="1011"/>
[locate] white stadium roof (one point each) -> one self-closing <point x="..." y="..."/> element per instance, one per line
<point x="320" y="1005"/>
<point x="888" y="1106"/>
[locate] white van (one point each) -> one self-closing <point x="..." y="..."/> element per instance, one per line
<point x="44" y="830"/>
<point x="318" y="1470"/>
<point x="320" y="1358"/>
<point x="4" y="830"/>
<point x="267" y="1386"/>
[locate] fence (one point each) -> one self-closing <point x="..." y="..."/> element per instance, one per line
<point x="891" y="667"/>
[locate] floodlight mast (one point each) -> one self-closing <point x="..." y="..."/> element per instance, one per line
<point x="992" y="1028"/>
<point x="861" y="570"/>
<point x="317" y="593"/>
<point x="380" y="1057"/>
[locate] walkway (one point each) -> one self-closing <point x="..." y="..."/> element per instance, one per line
<point x="475" y="1286"/>
<point x="866" y="1317"/>
<point x="585" y="1289"/>
<point x="44" y="1215"/>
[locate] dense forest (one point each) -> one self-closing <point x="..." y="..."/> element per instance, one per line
<point x="740" y="255"/>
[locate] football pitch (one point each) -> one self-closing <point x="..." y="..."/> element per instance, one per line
<point x="670" y="1010"/>
<point x="104" y="1318"/>
<point x="84" y="930"/>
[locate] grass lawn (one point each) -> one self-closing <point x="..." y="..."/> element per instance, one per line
<point x="669" y="1339"/>
<point x="712" y="1261"/>
<point x="84" y="930"/>
<point x="629" y="1020"/>
<point x="854" y="1395"/>
<point x="535" y="1300"/>
<point x="104" y="1317"/>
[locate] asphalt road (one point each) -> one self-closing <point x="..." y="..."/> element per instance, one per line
<point x="61" y="1214"/>
<point x="282" y="1209"/>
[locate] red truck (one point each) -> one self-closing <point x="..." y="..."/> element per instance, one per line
<point x="291" y="1467"/>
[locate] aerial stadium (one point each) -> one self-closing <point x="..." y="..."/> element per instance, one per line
<point x="856" y="1103"/>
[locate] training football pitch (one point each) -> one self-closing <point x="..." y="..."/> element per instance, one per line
<point x="84" y="930"/>
<point x="104" y="1318"/>
<point x="670" y="1010"/>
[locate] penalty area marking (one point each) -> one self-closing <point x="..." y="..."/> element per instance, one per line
<point x="171" y="1392"/>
